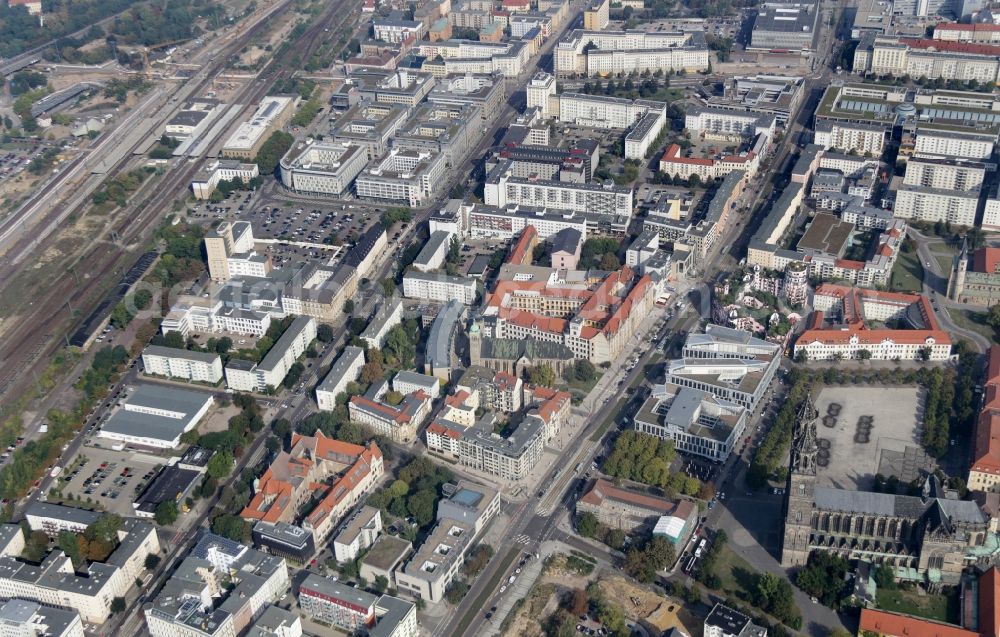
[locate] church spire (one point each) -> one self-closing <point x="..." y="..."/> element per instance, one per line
<point x="806" y="447"/>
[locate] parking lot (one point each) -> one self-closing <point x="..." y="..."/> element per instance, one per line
<point x="111" y="479"/>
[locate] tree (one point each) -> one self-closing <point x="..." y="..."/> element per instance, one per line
<point x="151" y="562"/>
<point x="117" y="605"/>
<point x="104" y="528"/>
<point x="166" y="512"/>
<point x="421" y="506"/>
<point x="801" y="356"/>
<point x="615" y="538"/>
<point x="584" y="370"/>
<point x="220" y="464"/>
<point x="223" y="345"/>
<point x="372" y="372"/>
<point x="272" y="151"/>
<point x="637" y="566"/>
<point x="587" y="525"/>
<point x="542" y="375"/>
<point x="233" y="527"/>
<point x="864" y="355"/>
<point x="388" y="287"/>
<point x="69" y="543"/>
<point x="324" y="333"/>
<point x="348" y="307"/>
<point x="609" y="262"/>
<point x="381" y="583"/>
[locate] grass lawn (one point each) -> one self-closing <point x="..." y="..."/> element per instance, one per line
<point x="942" y="607"/>
<point x="735" y="572"/>
<point x="972" y="320"/>
<point x="583" y="388"/>
<point x="944" y="263"/>
<point x="908" y="275"/>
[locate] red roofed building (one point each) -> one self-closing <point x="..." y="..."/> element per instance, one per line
<point x="840" y="326"/>
<point x="300" y="474"/>
<point x="984" y="623"/>
<point x="593" y="323"/>
<point x="674" y="163"/>
<point x="979" y="32"/>
<point x="880" y="622"/>
<point x="34" y="7"/>
<point x="951" y="59"/>
<point x="984" y="474"/>
<point x="521" y="253"/>
<point x="621" y="508"/>
<point x="516" y="5"/>
<point x="398" y="422"/>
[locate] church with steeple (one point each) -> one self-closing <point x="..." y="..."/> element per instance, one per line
<point x="931" y="537"/>
<point x="975" y="276"/>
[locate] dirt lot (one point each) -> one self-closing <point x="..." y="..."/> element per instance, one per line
<point x="639" y="605"/>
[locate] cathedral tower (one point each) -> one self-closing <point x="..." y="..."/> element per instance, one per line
<point x="801" y="485"/>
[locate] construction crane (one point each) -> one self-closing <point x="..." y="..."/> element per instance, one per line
<point x="160" y="45"/>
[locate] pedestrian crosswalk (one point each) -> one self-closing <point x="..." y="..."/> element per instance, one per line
<point x="522" y="539"/>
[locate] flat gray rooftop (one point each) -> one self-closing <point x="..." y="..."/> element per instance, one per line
<point x="851" y="452"/>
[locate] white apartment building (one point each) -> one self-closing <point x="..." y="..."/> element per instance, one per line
<point x="991" y="212"/>
<point x="55" y="518"/>
<point x="273" y="368"/>
<point x="944" y="174"/>
<point x="395" y="29"/>
<point x="933" y="142"/>
<point x="346" y="369"/>
<point x="359" y="533"/>
<point x="640" y="139"/>
<point x="507" y="223"/>
<point x="503" y="190"/>
<point x="206" y="180"/>
<point x="406" y="175"/>
<point x="406" y="382"/>
<point x="429" y="286"/>
<point x="932" y="59"/>
<point x="22" y="618"/>
<point x="55" y="582"/>
<point x="388" y="316"/>
<point x="540" y="93"/>
<point x="249" y="264"/>
<point x="861" y="138"/>
<point x="932" y="205"/>
<point x="600" y="111"/>
<point x="219" y="590"/>
<point x="610" y="52"/>
<point x="181" y="363"/>
<point x="718" y="123"/>
<point x="214" y="319"/>
<point x="321" y="167"/>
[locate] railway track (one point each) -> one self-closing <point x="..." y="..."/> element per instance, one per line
<point x="41" y="329"/>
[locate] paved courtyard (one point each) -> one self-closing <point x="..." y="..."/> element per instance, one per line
<point x="861" y="428"/>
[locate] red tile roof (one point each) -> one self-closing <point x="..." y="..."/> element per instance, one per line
<point x="889" y="624"/>
<point x="520" y="254"/>
<point x="443" y="430"/>
<point x="986" y="260"/>
<point x="989" y="603"/>
<point x="981" y="27"/>
<point x="601" y="489"/>
<point x="951" y="46"/>
<point x="986" y="453"/>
